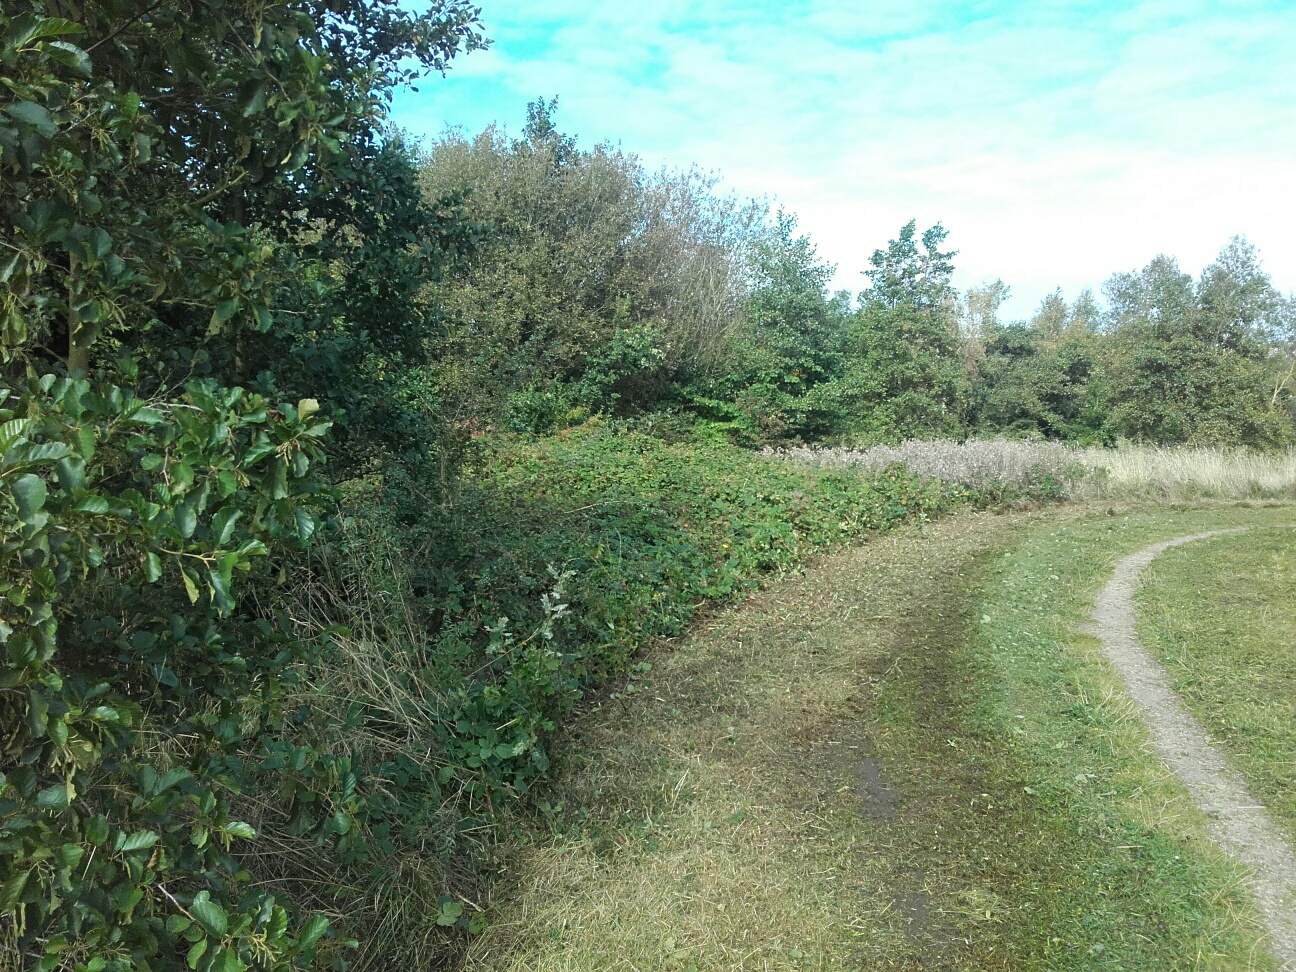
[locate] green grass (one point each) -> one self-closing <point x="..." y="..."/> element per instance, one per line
<point x="1220" y="614"/>
<point x="909" y="758"/>
<point x="1112" y="858"/>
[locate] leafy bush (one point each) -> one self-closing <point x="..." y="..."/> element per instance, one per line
<point x="560" y="558"/>
<point x="139" y="687"/>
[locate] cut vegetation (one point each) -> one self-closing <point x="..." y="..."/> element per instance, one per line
<point x="909" y="757"/>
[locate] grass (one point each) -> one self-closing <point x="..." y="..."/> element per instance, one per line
<point x="906" y="758"/>
<point x="1220" y="615"/>
<point x="1183" y="473"/>
<point x="978" y="463"/>
<point x="1130" y="472"/>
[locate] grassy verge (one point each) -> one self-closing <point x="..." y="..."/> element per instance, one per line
<point x="463" y="633"/>
<point x="1106" y="857"/>
<point x="1220" y="615"/>
<point x="907" y="758"/>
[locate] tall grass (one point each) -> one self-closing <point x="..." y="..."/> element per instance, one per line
<point x="979" y="463"/>
<point x="1182" y="473"/>
<point x="1129" y="472"/>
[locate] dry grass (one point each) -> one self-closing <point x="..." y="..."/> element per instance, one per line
<point x="1181" y="473"/>
<point x="980" y="463"/>
<point x="1175" y="474"/>
<point x="378" y="664"/>
<point x="712" y="818"/>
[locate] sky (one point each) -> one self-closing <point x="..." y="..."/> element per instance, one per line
<point x="1058" y="142"/>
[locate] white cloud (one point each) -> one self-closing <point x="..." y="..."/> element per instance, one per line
<point x="1058" y="143"/>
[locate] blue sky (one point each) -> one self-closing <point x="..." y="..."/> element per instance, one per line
<point x="1057" y="142"/>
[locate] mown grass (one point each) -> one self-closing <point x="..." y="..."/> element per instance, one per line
<point x="1220" y="614"/>
<point x="1120" y="870"/>
<point x="908" y="758"/>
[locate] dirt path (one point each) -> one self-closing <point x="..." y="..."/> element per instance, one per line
<point x="1237" y="822"/>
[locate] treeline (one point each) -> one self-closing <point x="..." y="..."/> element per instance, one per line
<point x="602" y="288"/>
<point x="295" y="584"/>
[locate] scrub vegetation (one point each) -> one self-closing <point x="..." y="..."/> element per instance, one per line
<point x="339" y="473"/>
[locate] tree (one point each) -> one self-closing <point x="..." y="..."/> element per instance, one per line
<point x="156" y="162"/>
<point x="597" y="285"/>
<point x="903" y="275"/>
<point x="1031" y="383"/>
<point x="903" y="373"/>
<point x="788" y="343"/>
<point x="143" y="140"/>
<point x="1192" y="358"/>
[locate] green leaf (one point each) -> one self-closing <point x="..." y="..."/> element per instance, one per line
<point x="53" y="798"/>
<point x="191" y="586"/>
<point x="140" y="840"/>
<point x="93" y="504"/>
<point x="85" y="437"/>
<point x="305" y="524"/>
<point x="279" y="479"/>
<point x="313" y="931"/>
<point x="258" y="451"/>
<point x="218" y="584"/>
<point x="306" y="408"/>
<point x="52" y="27"/>
<point x="11" y="891"/>
<point x="196" y="952"/>
<point x="237" y="828"/>
<point x="30" y="492"/>
<point x="69" y="55"/>
<point x="37" y="712"/>
<point x="186" y="520"/>
<point x="225" y="310"/>
<point x="37" y="116"/>
<point x="152" y="567"/>
<point x="96" y="830"/>
<point x="7" y="267"/>
<point x="450" y="913"/>
<point x="209" y="914"/>
<point x="223" y="524"/>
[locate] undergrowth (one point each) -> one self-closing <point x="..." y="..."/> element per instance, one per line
<point x="465" y="631"/>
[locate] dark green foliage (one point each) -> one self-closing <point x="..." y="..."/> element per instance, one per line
<point x="1030" y="385"/>
<point x="156" y="163"/>
<point x="904" y="275"/>
<point x="1191" y="358"/>
<point x="562" y="558"/>
<point x="598" y="286"/>
<point x="786" y="344"/>
<point x="1044" y="378"/>
<point x="566" y="267"/>
<point x="139" y="674"/>
<point x="902" y="375"/>
<point x="141" y="141"/>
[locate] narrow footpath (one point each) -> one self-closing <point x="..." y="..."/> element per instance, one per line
<point x="1237" y="822"/>
<point x="909" y="757"/>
